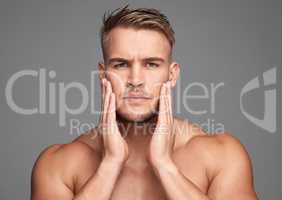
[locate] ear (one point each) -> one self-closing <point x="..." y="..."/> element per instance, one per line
<point x="174" y="70"/>
<point x="102" y="70"/>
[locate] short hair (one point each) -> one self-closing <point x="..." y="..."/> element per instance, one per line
<point x="139" y="18"/>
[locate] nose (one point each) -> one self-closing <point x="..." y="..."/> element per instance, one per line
<point x="136" y="77"/>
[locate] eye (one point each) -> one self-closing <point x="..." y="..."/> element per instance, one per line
<point x="152" y="65"/>
<point x="120" y="65"/>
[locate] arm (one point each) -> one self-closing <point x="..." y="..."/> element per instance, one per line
<point x="234" y="180"/>
<point x="102" y="183"/>
<point x="160" y="154"/>
<point x="176" y="185"/>
<point x="47" y="178"/>
<point x="48" y="181"/>
<point x="45" y="184"/>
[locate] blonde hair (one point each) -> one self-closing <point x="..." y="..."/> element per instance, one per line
<point x="140" y="18"/>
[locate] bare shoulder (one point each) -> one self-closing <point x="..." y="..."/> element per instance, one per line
<point x="61" y="163"/>
<point x="220" y="144"/>
<point x="226" y="163"/>
<point x="219" y="152"/>
<point x="61" y="157"/>
<point x="208" y="146"/>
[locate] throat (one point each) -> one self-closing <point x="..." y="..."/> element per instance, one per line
<point x="138" y="140"/>
<point x="138" y="136"/>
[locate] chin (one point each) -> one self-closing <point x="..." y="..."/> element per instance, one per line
<point x="136" y="116"/>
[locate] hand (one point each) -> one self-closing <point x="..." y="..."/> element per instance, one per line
<point x="162" y="141"/>
<point x="115" y="147"/>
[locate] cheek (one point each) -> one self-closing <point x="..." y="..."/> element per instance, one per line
<point x="154" y="83"/>
<point x="113" y="77"/>
<point x="117" y="87"/>
<point x="117" y="83"/>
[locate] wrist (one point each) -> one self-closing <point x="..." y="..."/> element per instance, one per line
<point x="164" y="164"/>
<point x="159" y="161"/>
<point x="113" y="162"/>
<point x="165" y="169"/>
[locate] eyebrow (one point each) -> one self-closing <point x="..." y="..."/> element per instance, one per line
<point x="155" y="59"/>
<point x="111" y="60"/>
<point x="148" y="59"/>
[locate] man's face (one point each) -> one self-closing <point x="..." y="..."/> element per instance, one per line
<point x="137" y="63"/>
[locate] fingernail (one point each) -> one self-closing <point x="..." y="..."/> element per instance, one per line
<point x="163" y="86"/>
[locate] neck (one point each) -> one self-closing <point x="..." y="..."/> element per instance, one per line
<point x="137" y="129"/>
<point x="137" y="135"/>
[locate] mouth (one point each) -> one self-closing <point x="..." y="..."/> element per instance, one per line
<point x="134" y="99"/>
<point x="136" y="95"/>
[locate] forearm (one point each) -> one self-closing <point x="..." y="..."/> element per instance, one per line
<point x="176" y="185"/>
<point x="101" y="184"/>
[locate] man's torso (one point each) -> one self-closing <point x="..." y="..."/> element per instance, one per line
<point x="137" y="180"/>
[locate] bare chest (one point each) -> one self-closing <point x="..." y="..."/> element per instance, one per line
<point x="135" y="185"/>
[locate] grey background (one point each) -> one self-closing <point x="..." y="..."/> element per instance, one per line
<point x="216" y="41"/>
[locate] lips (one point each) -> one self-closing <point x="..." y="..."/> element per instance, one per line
<point x="136" y="100"/>
<point x="136" y="96"/>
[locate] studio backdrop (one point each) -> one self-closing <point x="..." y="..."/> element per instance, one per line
<point x="230" y="58"/>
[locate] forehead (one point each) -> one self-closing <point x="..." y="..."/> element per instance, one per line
<point x="132" y="43"/>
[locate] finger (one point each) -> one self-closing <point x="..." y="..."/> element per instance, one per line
<point x="166" y="100"/>
<point x="168" y="110"/>
<point x="106" y="101"/>
<point x="112" y="115"/>
<point x="161" y="115"/>
<point x="114" y="108"/>
<point x="110" y="91"/>
<point x="110" y="86"/>
<point x="170" y="101"/>
<point x="160" y="128"/>
<point x="171" y="119"/>
<point x="103" y="91"/>
<point x="111" y="110"/>
<point x="102" y="99"/>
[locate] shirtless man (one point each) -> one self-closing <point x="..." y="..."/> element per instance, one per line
<point x="139" y="150"/>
